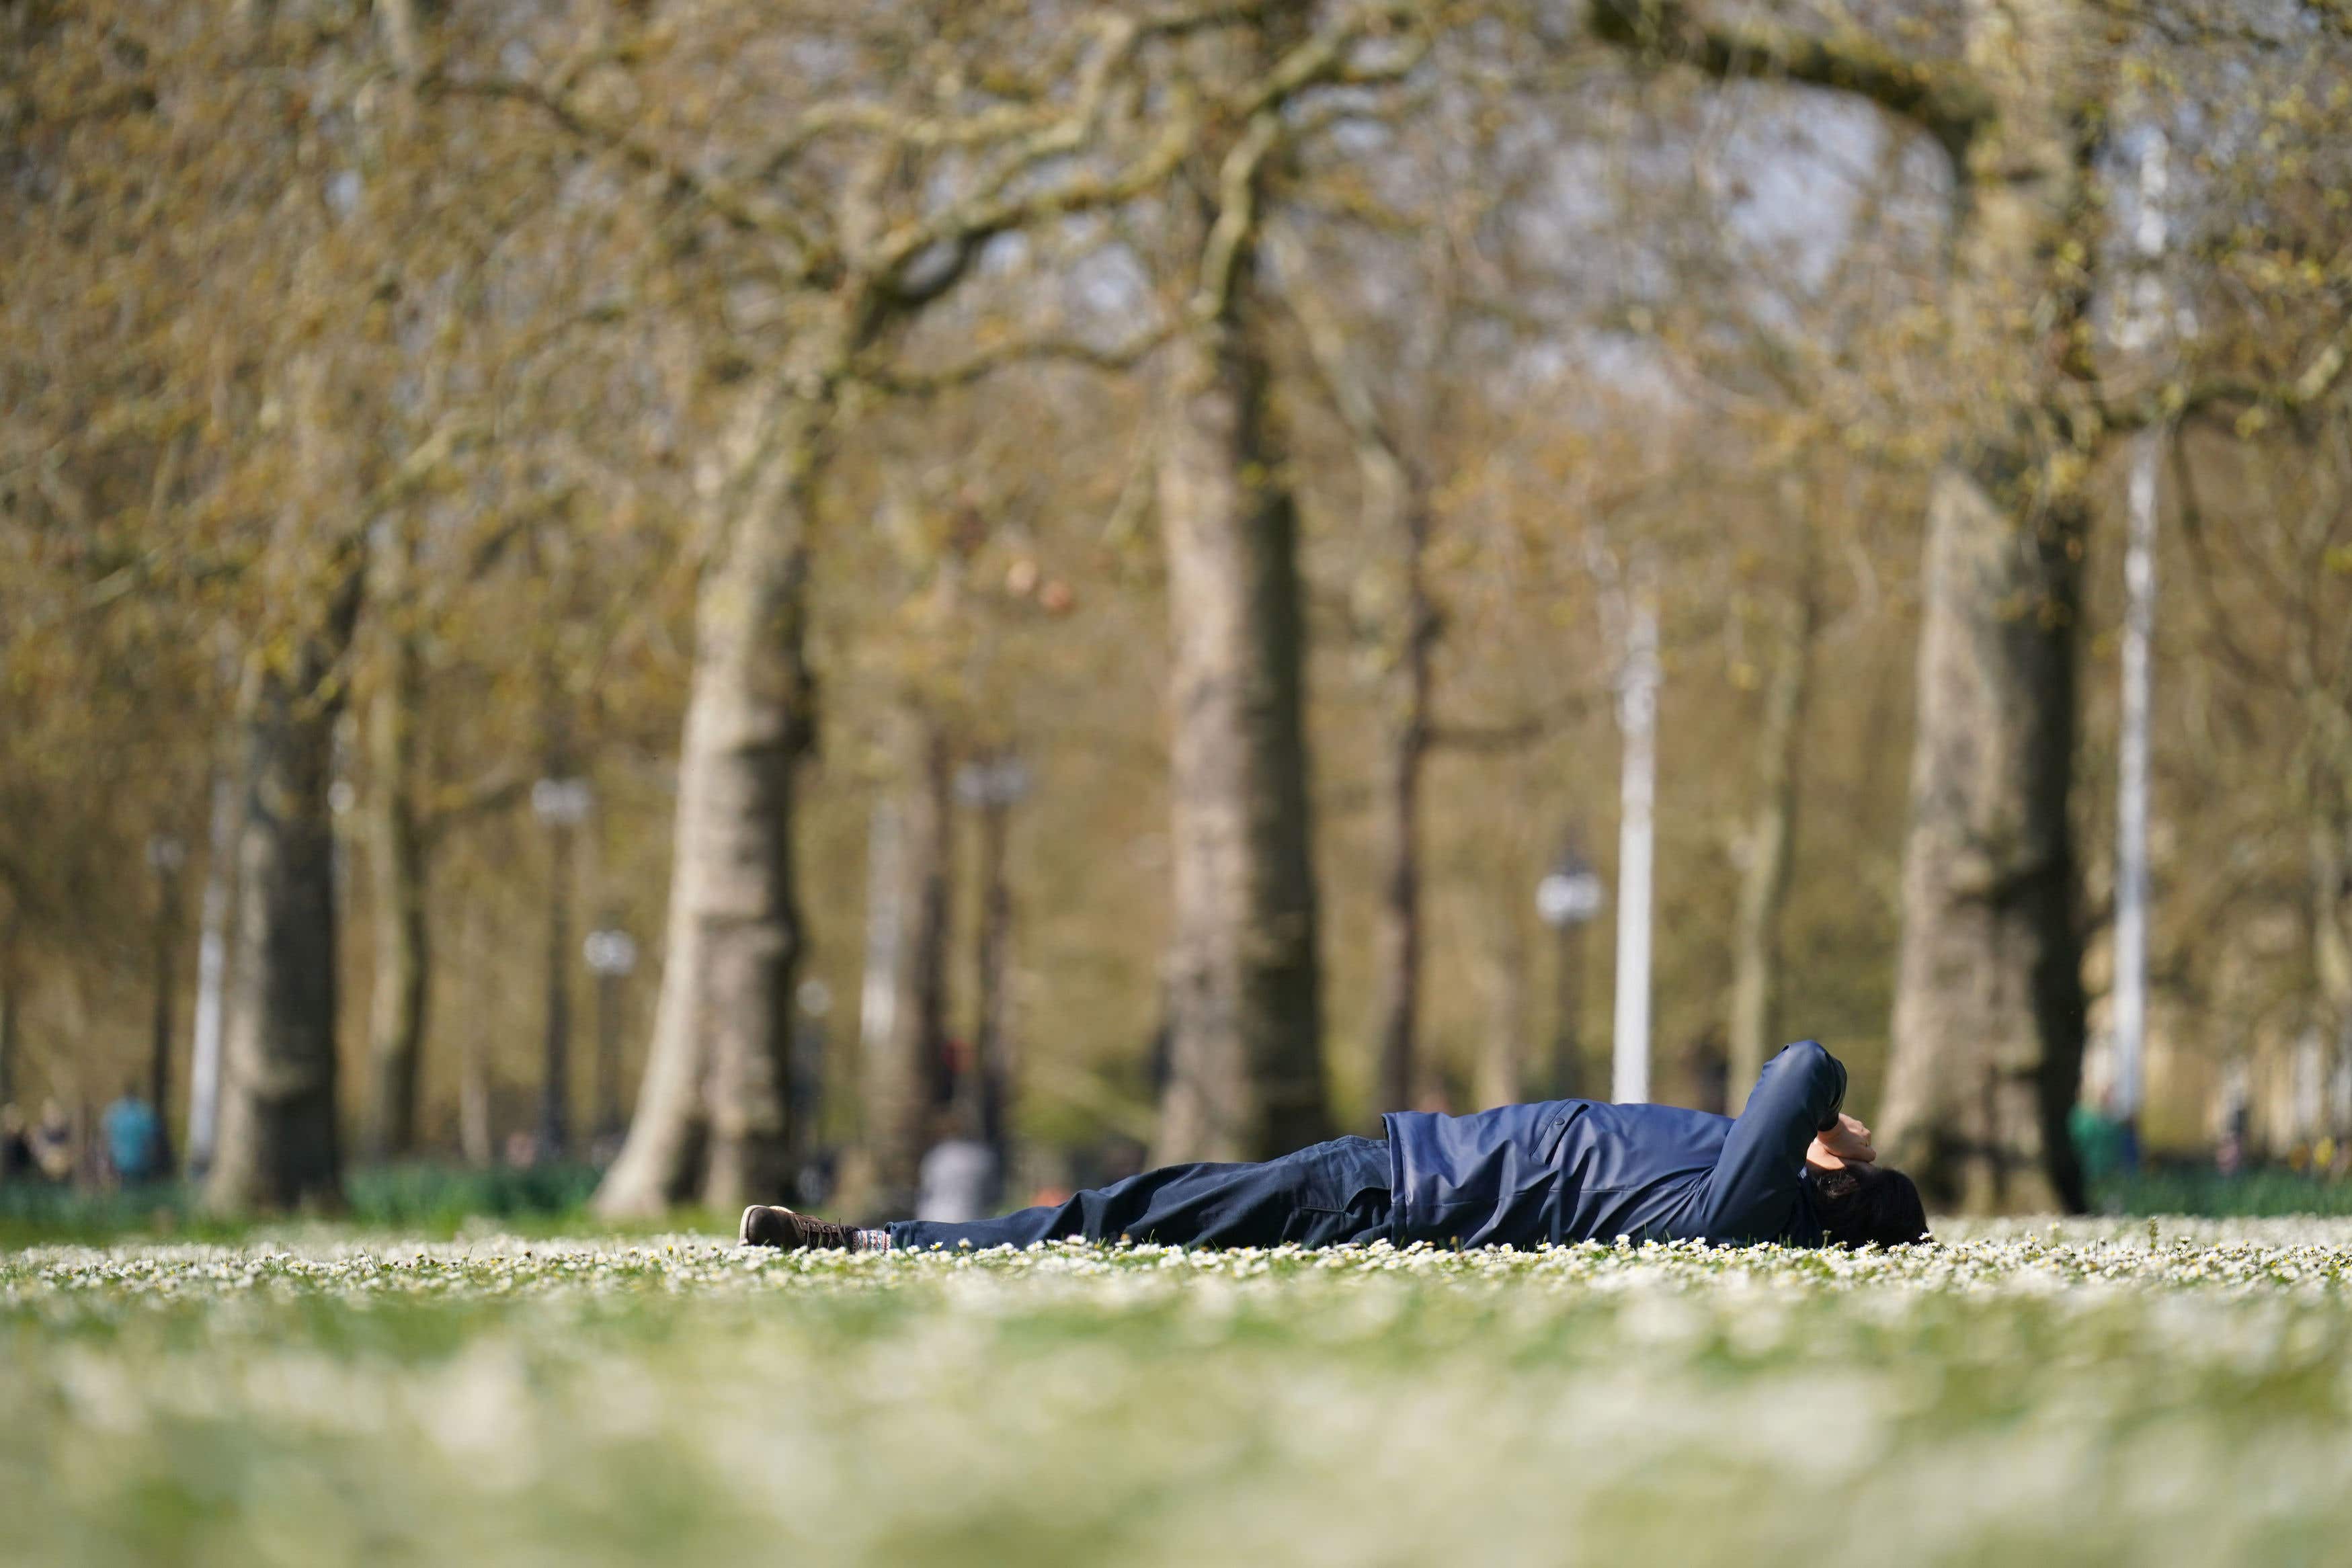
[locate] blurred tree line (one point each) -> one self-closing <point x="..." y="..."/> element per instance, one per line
<point x="1112" y="534"/>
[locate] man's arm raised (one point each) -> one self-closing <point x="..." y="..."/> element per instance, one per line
<point x="1847" y="1143"/>
<point x="1754" y="1188"/>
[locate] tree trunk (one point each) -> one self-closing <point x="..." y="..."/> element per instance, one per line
<point x="1767" y="850"/>
<point x="278" y="1145"/>
<point x="2127" y="992"/>
<point x="2331" y="931"/>
<point x="608" y="1058"/>
<point x="400" y="989"/>
<point x="879" y="989"/>
<point x="1637" y="721"/>
<point x="990" y="1112"/>
<point x="1398" y="512"/>
<point x="1988" y="1016"/>
<point x="555" y="1069"/>
<point x="1502" y="1063"/>
<point x="166" y="1000"/>
<point x="8" y="1006"/>
<point x="1566" y="1076"/>
<point x="219" y="911"/>
<point x="561" y="806"/>
<point x="1988" y="1001"/>
<point x="1398" y="945"/>
<point x="1245" y="1026"/>
<point x="1396" y="521"/>
<point x="711" y="1108"/>
<point x="905" y="1072"/>
<point x="1988" y="1029"/>
<point x="477" y="1138"/>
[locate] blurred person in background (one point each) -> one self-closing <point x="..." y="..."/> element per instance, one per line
<point x="957" y="1181"/>
<point x="2229" y="1149"/>
<point x="53" y="1143"/>
<point x="132" y="1135"/>
<point x="2103" y="1142"/>
<point x="16" y="1149"/>
<point x="1792" y="1169"/>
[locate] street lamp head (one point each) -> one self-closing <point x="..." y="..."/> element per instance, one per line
<point x="1000" y="781"/>
<point x="610" y="952"/>
<point x="1569" y="894"/>
<point x="560" y="802"/>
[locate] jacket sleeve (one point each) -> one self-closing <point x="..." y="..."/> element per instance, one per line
<point x="1753" y="1191"/>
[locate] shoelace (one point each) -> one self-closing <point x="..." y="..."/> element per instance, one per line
<point x="825" y="1233"/>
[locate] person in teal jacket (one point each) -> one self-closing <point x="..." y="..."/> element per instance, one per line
<point x="1791" y="1168"/>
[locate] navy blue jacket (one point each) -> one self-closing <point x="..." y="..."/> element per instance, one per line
<point x="1579" y="1170"/>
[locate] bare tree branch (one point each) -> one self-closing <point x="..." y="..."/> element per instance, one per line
<point x="2311" y="385"/>
<point x="1118" y="34"/>
<point x="1940" y="97"/>
<point x="1236" y="214"/>
<point x="1024" y="350"/>
<point x="739" y="209"/>
<point x="968" y="223"/>
<point x="1323" y="59"/>
<point x="453" y="803"/>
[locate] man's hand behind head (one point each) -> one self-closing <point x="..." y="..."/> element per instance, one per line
<point x="1846" y="1144"/>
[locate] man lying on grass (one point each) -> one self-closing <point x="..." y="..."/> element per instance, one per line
<point x="1791" y="1169"/>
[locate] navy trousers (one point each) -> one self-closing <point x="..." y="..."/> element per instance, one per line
<point x="1320" y="1197"/>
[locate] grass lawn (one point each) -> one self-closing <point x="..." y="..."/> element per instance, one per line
<point x="2091" y="1393"/>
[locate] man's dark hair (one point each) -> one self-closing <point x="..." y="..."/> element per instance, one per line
<point x="1862" y="1206"/>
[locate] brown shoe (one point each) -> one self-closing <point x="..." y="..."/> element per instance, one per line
<point x="773" y="1225"/>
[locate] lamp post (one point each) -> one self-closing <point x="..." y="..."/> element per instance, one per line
<point x="212" y="977"/>
<point x="993" y="786"/>
<point x="2145" y="326"/>
<point x="1637" y="718"/>
<point x="612" y="954"/>
<point x="1568" y="897"/>
<point x="562" y="805"/>
<point x="166" y="856"/>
